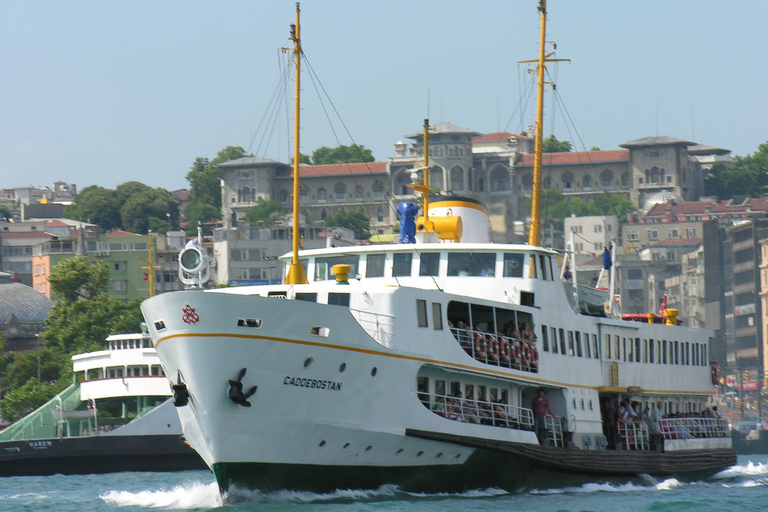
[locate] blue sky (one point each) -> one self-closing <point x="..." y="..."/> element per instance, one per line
<point x="105" y="92"/>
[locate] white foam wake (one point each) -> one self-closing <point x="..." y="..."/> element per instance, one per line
<point x="751" y="469"/>
<point x="590" y="488"/>
<point x="188" y="496"/>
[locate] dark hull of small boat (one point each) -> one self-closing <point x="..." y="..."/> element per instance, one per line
<point x="98" y="454"/>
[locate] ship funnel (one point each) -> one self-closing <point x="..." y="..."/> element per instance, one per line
<point x="457" y="219"/>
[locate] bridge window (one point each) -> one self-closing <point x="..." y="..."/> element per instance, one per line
<point x="375" y="265"/>
<point x="429" y="264"/>
<point x="513" y="264"/>
<point x="401" y="266"/>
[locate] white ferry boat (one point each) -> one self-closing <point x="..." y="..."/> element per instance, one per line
<point x="417" y="364"/>
<point x="116" y="416"/>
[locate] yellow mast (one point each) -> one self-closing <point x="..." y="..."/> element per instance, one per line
<point x="534" y="236"/>
<point x="296" y="273"/>
<point x="425" y="192"/>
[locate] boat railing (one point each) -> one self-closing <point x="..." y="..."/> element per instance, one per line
<point x="480" y="411"/>
<point x="380" y="327"/>
<point x="554" y="426"/>
<point x="634" y="436"/>
<point x="498" y="349"/>
<point x="693" y="428"/>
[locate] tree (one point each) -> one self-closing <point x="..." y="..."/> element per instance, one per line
<point x="356" y="220"/>
<point x="5" y="213"/>
<point x="552" y="145"/>
<point x="145" y="203"/>
<point x="19" y="402"/>
<point x="199" y="212"/>
<point x="97" y="205"/>
<point x="340" y="155"/>
<point x="265" y="212"/>
<point x="76" y="277"/>
<point x="204" y="177"/>
<point x="747" y="176"/>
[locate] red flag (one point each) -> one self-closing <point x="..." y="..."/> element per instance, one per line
<point x="146" y="277"/>
<point x="663" y="307"/>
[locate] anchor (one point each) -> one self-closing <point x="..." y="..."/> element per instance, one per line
<point x="236" y="391"/>
<point x="180" y="392"/>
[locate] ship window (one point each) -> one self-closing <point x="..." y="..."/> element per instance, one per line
<point x="137" y="371"/>
<point x="664" y="350"/>
<point x="677" y="352"/>
<point x="617" y="347"/>
<point x="157" y="370"/>
<point x="546" y="274"/>
<point x="554" y="340"/>
<point x="309" y="297"/>
<point x="249" y="322"/>
<point x="422" y="389"/>
<point x="459" y="263"/>
<point x="115" y="372"/>
<point x="608" y="346"/>
<point x="627" y="349"/>
<point x="596" y="347"/>
<point x="587" y="352"/>
<point x="562" y="342"/>
<point x="276" y="295"/>
<point x="320" y="331"/>
<point x="374" y="265"/>
<point x="544" y="338"/>
<point x="324" y="266"/>
<point x="94" y="373"/>
<point x="401" y="264"/>
<point x="578" y="344"/>
<point x="421" y="312"/>
<point x="338" y="299"/>
<point x="429" y="264"/>
<point x="160" y="325"/>
<point x="437" y="316"/>
<point x="650" y="350"/>
<point x="571" y="352"/>
<point x="513" y="264"/>
<point x="637" y="350"/>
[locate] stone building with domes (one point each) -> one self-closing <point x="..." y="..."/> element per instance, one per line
<point x="22" y="314"/>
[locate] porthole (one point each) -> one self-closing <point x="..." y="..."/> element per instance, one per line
<point x="398" y="452"/>
<point x="368" y="448"/>
<point x="322" y="443"/>
<point x="342" y="367"/>
<point x="307" y="362"/>
<point x="457" y="457"/>
<point x="421" y="452"/>
<point x="346" y="445"/>
<point x="373" y="372"/>
<point x="439" y="455"/>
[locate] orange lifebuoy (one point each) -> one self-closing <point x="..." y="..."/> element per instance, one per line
<point x="506" y="350"/>
<point x="481" y="346"/>
<point x="526" y="356"/>
<point x="493" y="348"/>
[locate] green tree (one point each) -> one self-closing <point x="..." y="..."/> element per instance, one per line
<point x="145" y="203"/>
<point x="204" y="177"/>
<point x="552" y="145"/>
<point x="747" y="176"/>
<point x="19" y="402"/>
<point x="199" y="212"/>
<point x="72" y="278"/>
<point x="356" y="220"/>
<point x="264" y="212"/>
<point x="341" y="155"/>
<point x="97" y="205"/>
<point x="5" y="213"/>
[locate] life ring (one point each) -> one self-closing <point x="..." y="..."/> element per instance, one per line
<point x="526" y="357"/>
<point x="481" y="346"/>
<point x="715" y="372"/>
<point x="493" y="348"/>
<point x="506" y="350"/>
<point x="516" y="353"/>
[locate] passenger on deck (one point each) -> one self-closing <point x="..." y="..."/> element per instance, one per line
<point x="540" y="408"/>
<point x="653" y="426"/>
<point x="454" y="407"/>
<point x="486" y="270"/>
<point x="439" y="407"/>
<point x="469" y="410"/>
<point x="485" y="413"/>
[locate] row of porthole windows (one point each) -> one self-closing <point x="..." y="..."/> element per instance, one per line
<point x="659" y="351"/>
<point x="398" y="452"/>
<point x="567" y="181"/>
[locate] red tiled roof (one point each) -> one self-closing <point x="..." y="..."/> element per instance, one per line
<point x="120" y="232"/>
<point x="498" y="137"/>
<point x="55" y="223"/>
<point x="27" y="234"/>
<point x="580" y="157"/>
<point x="708" y="208"/>
<point x="336" y="170"/>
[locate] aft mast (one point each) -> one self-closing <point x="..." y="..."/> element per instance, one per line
<point x="296" y="273"/>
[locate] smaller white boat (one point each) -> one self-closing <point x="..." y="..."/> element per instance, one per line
<point x="116" y="416"/>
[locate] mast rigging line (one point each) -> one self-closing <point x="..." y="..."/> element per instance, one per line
<point x="270" y="116"/>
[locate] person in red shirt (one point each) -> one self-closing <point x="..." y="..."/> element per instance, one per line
<point x="540" y="408"/>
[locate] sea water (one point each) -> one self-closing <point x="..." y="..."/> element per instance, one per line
<point x="743" y="487"/>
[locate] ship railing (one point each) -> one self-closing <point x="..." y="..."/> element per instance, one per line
<point x="498" y="350"/>
<point x="634" y="436"/>
<point x="480" y="411"/>
<point x="380" y="327"/>
<point x="554" y="426"/>
<point x="693" y="428"/>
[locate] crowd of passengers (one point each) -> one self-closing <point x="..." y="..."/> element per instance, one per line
<point x="456" y="407"/>
<point x="622" y="421"/>
<point x="513" y="347"/>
